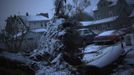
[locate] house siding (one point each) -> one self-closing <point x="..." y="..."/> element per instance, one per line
<point x="121" y="9"/>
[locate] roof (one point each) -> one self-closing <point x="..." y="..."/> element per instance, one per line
<point x="38" y="30"/>
<point x="87" y="23"/>
<point x="34" y="18"/>
<point x="132" y="14"/>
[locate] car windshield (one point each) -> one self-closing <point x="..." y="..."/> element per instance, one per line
<point x="86" y="32"/>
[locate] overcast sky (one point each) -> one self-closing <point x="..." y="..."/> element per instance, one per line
<point x="33" y="7"/>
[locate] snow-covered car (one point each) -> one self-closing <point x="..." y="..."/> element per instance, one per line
<point x="87" y="36"/>
<point x="107" y="47"/>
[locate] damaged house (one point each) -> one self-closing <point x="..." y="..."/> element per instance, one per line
<point x="110" y="14"/>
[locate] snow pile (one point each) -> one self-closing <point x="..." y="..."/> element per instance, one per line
<point x="41" y="67"/>
<point x="59" y="67"/>
<point x="88" y="23"/>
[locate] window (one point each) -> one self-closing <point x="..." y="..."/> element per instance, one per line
<point x="29" y="38"/>
<point x="41" y="25"/>
<point x="85" y="32"/>
<point x="128" y="41"/>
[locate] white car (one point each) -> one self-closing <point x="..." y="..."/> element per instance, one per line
<point x="107" y="47"/>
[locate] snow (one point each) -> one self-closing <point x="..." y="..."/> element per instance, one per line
<point x="75" y="5"/>
<point x="111" y="32"/>
<point x="95" y="8"/>
<point x="52" y="70"/>
<point x="91" y="48"/>
<point x="57" y="58"/>
<point x="92" y="7"/>
<point x="87" y="9"/>
<point x="130" y="57"/>
<point x="17" y="57"/>
<point x="127" y="67"/>
<point x="32" y="30"/>
<point x="34" y="18"/>
<point x="39" y="30"/>
<point x="61" y="33"/>
<point x="82" y="29"/>
<point x="88" y="23"/>
<point x="107" y="33"/>
<point x="19" y="34"/>
<point x="57" y="22"/>
<point x="42" y="69"/>
<point x="103" y="56"/>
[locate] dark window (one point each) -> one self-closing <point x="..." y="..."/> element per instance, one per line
<point x="128" y="41"/>
<point x="41" y="25"/>
<point x="29" y="38"/>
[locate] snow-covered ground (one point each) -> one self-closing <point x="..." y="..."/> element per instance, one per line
<point x="127" y="68"/>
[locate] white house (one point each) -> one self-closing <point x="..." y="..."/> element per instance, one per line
<point x="34" y="22"/>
